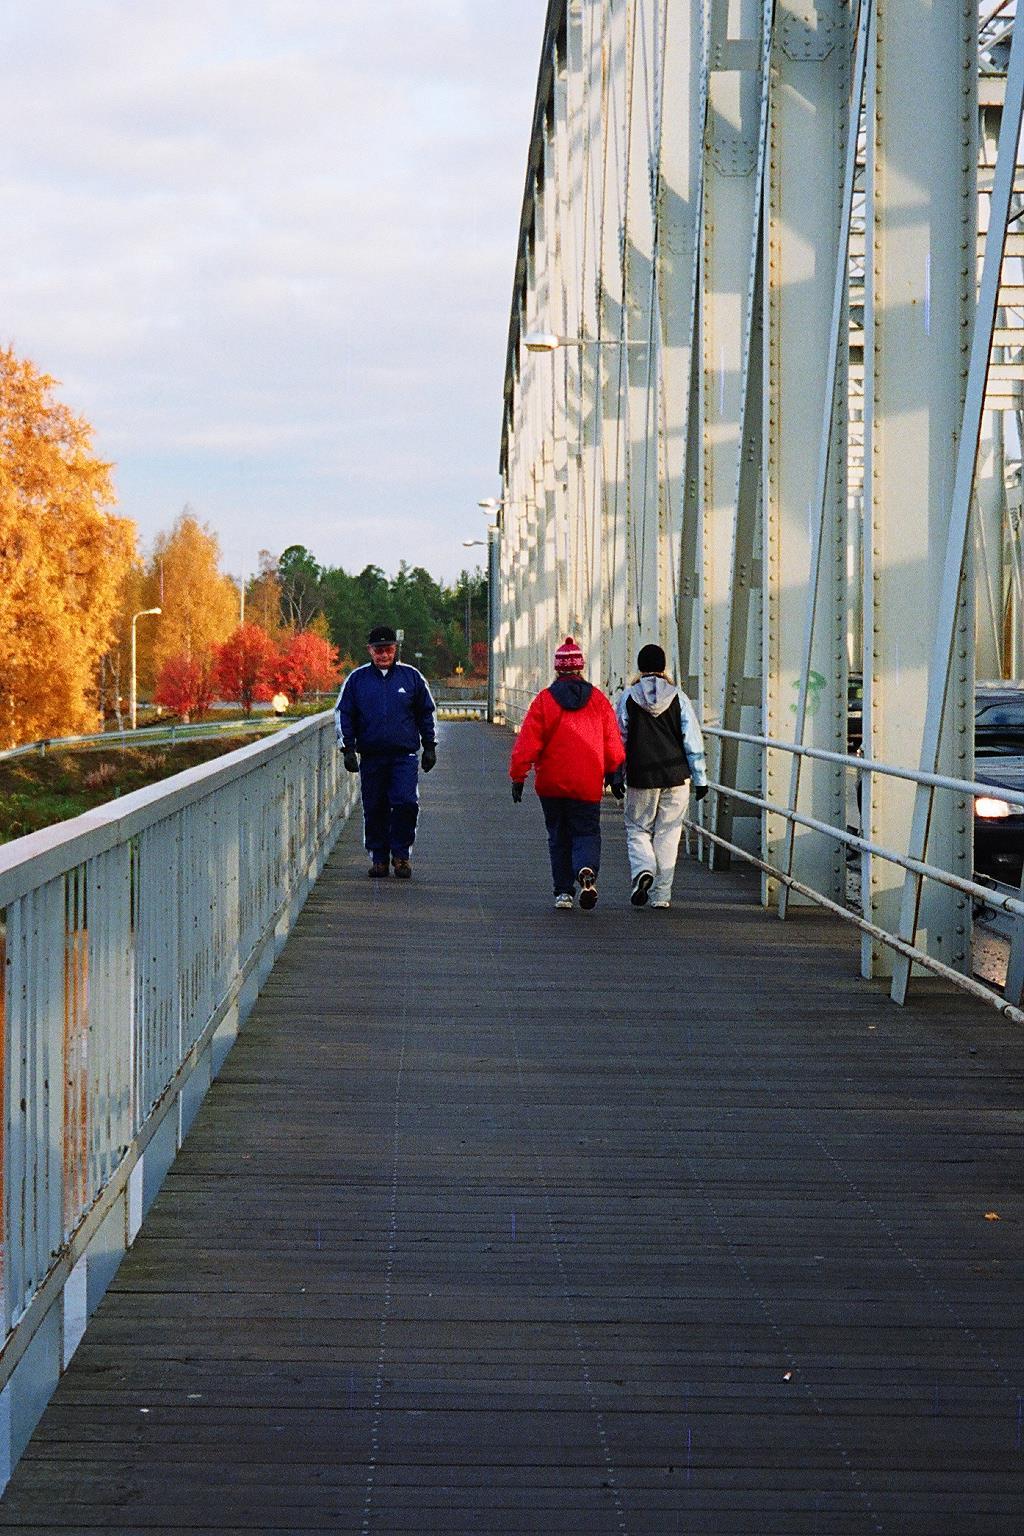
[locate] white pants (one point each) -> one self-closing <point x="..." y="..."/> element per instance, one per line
<point x="654" y="825"/>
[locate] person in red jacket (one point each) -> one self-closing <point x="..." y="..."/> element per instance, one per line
<point x="571" y="738"/>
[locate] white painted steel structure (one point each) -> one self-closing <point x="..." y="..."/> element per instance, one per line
<point x="751" y="227"/>
<point x="136" y="938"/>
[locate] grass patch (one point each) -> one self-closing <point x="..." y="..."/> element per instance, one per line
<point x="36" y="792"/>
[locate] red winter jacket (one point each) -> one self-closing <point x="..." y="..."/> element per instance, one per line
<point x="571" y="736"/>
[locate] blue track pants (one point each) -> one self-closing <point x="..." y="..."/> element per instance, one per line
<point x="391" y="804"/>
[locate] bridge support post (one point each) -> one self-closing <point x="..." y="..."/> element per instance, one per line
<point x="640" y="357"/>
<point x="989" y="548"/>
<point x="919" y="296"/>
<point x="807" y="133"/>
<point x="729" y="210"/>
<point x="682" y="95"/>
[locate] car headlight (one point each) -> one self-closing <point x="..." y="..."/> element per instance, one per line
<point x="991" y="810"/>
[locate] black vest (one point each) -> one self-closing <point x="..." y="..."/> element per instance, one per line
<point x="655" y="755"/>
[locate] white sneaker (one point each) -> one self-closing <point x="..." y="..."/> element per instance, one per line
<point x="641" y="885"/>
<point x="564" y="902"/>
<point x="661" y="904"/>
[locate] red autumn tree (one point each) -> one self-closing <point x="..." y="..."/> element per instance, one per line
<point x="479" y="652"/>
<point x="186" y="686"/>
<point x="307" y="664"/>
<point x="244" y="666"/>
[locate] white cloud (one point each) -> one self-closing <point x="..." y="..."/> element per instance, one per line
<point x="268" y="248"/>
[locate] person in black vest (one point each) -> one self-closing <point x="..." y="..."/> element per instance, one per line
<point x="664" y="752"/>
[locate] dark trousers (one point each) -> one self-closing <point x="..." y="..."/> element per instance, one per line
<point x="391" y="804"/>
<point x="574" y="839"/>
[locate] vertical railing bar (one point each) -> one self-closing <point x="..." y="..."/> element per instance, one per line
<point x="14" y="1151"/>
<point x="35" y="1117"/>
<point x="57" y="1073"/>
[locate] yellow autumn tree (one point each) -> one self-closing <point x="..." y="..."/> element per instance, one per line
<point x="63" y="554"/>
<point x="263" y="597"/>
<point x="199" y="604"/>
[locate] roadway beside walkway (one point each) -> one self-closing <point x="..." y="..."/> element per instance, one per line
<point x="504" y="1220"/>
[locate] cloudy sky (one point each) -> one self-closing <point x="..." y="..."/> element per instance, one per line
<point x="267" y="247"/>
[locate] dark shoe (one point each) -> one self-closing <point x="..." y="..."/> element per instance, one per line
<point x="402" y="868"/>
<point x="641" y="885"/>
<point x="378" y="871"/>
<point x="588" y="888"/>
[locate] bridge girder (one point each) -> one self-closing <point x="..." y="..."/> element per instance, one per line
<point x="744" y="444"/>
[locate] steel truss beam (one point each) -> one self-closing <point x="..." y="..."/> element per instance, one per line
<point x="836" y="124"/>
<point x="919" y="295"/>
<point x="950" y="655"/>
<point x="749" y="439"/>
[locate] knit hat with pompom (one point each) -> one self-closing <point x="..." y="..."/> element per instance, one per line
<point x="568" y="657"/>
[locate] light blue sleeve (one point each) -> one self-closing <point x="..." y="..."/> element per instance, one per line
<point x="621" y="715"/>
<point x="693" y="740"/>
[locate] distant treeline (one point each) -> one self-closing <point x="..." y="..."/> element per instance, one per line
<point x="445" y="627"/>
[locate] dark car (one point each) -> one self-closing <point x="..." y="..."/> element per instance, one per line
<point x="854" y="713"/>
<point x="998" y="824"/>
<point x="999" y="719"/>
<point x="999" y="762"/>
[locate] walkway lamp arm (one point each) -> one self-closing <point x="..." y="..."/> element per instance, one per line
<point x="547" y="341"/>
<point x="142" y="614"/>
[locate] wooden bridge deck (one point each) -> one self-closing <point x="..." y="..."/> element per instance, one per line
<point x="506" y="1220"/>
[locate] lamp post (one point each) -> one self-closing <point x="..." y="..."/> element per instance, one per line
<point x="468" y="544"/>
<point x="142" y="613"/>
<point x="493" y="531"/>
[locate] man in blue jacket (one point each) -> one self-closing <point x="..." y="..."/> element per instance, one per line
<point x="384" y="712"/>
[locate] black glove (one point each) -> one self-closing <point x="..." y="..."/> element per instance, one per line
<point x="517" y="792"/>
<point x="699" y="791"/>
<point x="428" y="759"/>
<point x="618" y="789"/>
<point x="351" y="760"/>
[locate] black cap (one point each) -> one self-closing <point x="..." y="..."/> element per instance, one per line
<point x="382" y="634"/>
<point x="651" y="659"/>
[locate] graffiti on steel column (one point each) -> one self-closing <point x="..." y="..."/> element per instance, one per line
<point x="815" y="683"/>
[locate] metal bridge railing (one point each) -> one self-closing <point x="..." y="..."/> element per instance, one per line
<point x="134" y="940"/>
<point x="461" y="709"/>
<point x="1013" y="905"/>
<point x="148" y="736"/>
<point x="516" y="702"/>
<point x="1008" y="1003"/>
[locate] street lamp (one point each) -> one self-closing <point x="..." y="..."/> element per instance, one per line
<point x="468" y="544"/>
<point x="493" y="532"/>
<point x="142" y="613"/>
